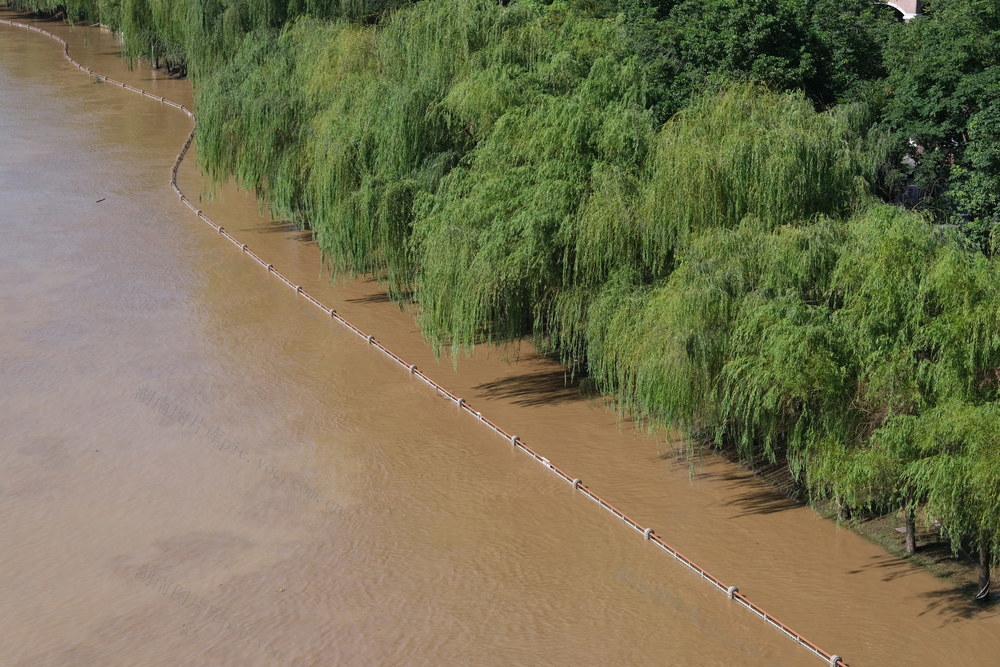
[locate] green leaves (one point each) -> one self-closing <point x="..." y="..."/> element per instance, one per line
<point x="747" y="152"/>
<point x="944" y="74"/>
<point x="958" y="471"/>
<point x="514" y="204"/>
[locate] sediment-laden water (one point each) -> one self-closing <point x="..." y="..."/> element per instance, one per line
<point x="198" y="468"/>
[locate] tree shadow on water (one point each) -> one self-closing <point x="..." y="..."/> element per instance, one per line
<point x="287" y="227"/>
<point x="954" y="600"/>
<point x="891" y="567"/>
<point x="753" y="499"/>
<point x="374" y="297"/>
<point x="763" y="501"/>
<point x="530" y="389"/>
<point x="956" y="603"/>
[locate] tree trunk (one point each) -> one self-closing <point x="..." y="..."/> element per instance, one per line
<point x="984" y="574"/>
<point x="843" y="511"/>
<point x="911" y="531"/>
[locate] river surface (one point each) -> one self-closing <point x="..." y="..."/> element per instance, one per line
<point x="197" y="467"/>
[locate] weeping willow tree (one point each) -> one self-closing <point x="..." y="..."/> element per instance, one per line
<point x="497" y="240"/>
<point x="248" y="121"/>
<point x="958" y="472"/>
<point x="390" y="123"/>
<point x="344" y="127"/>
<point x="871" y="475"/>
<point x="736" y="343"/>
<point x="917" y="315"/>
<point x="637" y="227"/>
<point x="732" y="346"/>
<point x="750" y="153"/>
<point x="201" y="34"/>
<point x="74" y="10"/>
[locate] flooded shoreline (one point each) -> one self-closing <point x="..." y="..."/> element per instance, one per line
<point x="826" y="582"/>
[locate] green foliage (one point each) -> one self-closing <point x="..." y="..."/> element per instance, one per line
<point x="759" y="38"/>
<point x="749" y="153"/>
<point x="917" y="314"/>
<point x="824" y="343"/>
<point x="830" y="49"/>
<point x="974" y="183"/>
<point x="71" y="10"/>
<point x="727" y="329"/>
<point x="944" y="76"/>
<point x="846" y="38"/>
<point x="501" y="235"/>
<point x="958" y="471"/>
<point x="348" y="126"/>
<point x="248" y="121"/>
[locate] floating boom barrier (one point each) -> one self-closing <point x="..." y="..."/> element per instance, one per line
<point x="732" y="592"/>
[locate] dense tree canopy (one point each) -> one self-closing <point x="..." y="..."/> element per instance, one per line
<point x="943" y="83"/>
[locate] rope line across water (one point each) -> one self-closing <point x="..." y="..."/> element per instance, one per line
<point x="731" y="591"/>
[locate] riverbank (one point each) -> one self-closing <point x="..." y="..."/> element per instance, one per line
<point x="725" y="516"/>
<point x="958" y="571"/>
<point x="934" y="553"/>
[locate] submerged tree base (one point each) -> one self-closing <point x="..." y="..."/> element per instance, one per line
<point x="934" y="552"/>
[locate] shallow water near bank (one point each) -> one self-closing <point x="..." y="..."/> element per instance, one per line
<point x="199" y="468"/>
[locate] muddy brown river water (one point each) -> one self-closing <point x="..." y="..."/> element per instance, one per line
<point x="196" y="467"/>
